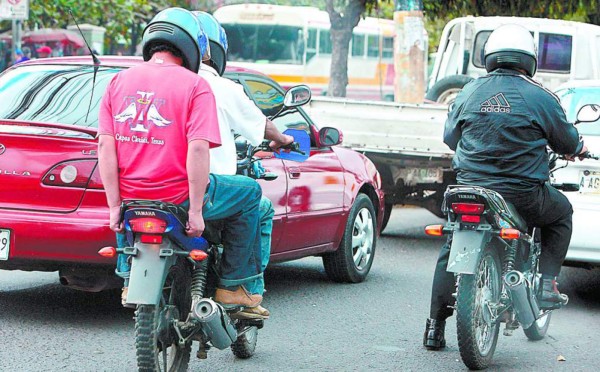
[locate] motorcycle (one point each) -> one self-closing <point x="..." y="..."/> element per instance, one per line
<point x="173" y="276"/>
<point x="495" y="258"/>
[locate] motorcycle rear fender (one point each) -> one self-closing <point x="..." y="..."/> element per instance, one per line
<point x="466" y="250"/>
<point x="149" y="272"/>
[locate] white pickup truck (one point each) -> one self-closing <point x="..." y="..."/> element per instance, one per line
<point x="404" y="141"/>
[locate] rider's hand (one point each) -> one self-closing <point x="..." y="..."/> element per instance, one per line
<point x="285" y="140"/>
<point x="581" y="154"/>
<point x="195" y="225"/>
<point x="115" y="216"/>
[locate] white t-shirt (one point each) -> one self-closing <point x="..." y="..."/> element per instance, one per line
<point x="236" y="113"/>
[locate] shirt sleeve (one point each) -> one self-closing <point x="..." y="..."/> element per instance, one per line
<point x="243" y="116"/>
<point x="202" y="122"/>
<point x="105" y="118"/>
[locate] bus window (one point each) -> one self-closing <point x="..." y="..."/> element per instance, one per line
<point x="358" y="45"/>
<point x="324" y="42"/>
<point x="275" y="44"/>
<point x="554" y="52"/>
<point x="311" y="44"/>
<point x="373" y="46"/>
<point x="388" y="48"/>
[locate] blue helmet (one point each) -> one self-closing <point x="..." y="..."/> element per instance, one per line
<point x="217" y="40"/>
<point x="179" y="28"/>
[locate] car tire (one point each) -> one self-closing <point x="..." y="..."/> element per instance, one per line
<point x="387" y="212"/>
<point x="445" y="90"/>
<point x="353" y="259"/>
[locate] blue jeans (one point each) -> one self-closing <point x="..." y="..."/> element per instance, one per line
<point x="266" y="226"/>
<point x="235" y="200"/>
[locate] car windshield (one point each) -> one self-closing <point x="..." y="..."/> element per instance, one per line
<point x="58" y="94"/>
<point x="572" y="99"/>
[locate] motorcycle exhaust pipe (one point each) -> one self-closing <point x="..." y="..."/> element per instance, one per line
<point x="215" y="323"/>
<point x="525" y="307"/>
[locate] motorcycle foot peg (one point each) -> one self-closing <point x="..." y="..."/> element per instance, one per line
<point x="508" y="332"/>
<point x="564" y="299"/>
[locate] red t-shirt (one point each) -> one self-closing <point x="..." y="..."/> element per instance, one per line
<point x="153" y="111"/>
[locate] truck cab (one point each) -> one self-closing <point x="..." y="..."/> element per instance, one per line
<point x="567" y="51"/>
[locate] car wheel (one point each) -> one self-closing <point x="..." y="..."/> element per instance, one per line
<point x="387" y="212"/>
<point x="445" y="90"/>
<point x="353" y="259"/>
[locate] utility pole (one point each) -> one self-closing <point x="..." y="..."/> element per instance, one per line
<point x="410" y="51"/>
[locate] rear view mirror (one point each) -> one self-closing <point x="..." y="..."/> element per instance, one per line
<point x="329" y="136"/>
<point x="297" y="96"/>
<point x="302" y="152"/>
<point x="588" y="113"/>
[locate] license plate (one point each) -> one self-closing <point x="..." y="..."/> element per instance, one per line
<point x="4" y="244"/>
<point x="589" y="182"/>
<point x="412" y="176"/>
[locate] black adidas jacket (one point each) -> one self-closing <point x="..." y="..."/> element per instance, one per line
<point x="499" y="127"/>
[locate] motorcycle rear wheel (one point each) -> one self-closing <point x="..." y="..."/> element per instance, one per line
<point x="476" y="329"/>
<point x="245" y="345"/>
<point x="156" y="341"/>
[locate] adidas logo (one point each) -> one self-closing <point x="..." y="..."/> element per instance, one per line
<point x="497" y="103"/>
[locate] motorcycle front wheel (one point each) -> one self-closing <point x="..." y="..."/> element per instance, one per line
<point x="156" y="340"/>
<point x="476" y="321"/>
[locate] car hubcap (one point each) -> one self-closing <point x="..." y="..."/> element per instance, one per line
<point x="362" y="238"/>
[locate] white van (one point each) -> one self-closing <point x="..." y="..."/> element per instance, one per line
<point x="567" y="50"/>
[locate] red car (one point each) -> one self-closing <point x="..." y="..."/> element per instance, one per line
<point x="53" y="213"/>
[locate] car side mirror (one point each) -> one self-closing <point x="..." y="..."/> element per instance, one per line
<point x="297" y="96"/>
<point x="588" y="113"/>
<point x="329" y="136"/>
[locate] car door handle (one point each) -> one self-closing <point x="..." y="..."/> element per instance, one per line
<point x="294" y="172"/>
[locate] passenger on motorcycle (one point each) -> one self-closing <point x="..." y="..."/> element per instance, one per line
<point x="500" y="127"/>
<point x="237" y="113"/>
<point x="154" y="139"/>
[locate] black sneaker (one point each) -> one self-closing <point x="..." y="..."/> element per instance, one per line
<point x="433" y="339"/>
<point x="549" y="297"/>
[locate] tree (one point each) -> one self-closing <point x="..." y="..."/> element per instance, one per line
<point x="344" y="15"/>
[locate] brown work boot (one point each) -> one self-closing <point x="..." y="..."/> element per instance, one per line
<point x="257" y="312"/>
<point x="239" y="297"/>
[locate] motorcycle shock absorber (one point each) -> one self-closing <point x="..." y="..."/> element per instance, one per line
<point x="199" y="279"/>
<point x="510" y="256"/>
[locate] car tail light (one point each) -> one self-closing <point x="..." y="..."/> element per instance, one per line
<point x="95" y="180"/>
<point x="510" y="234"/>
<point x="468" y="208"/>
<point x="471" y="218"/>
<point x="434" y="230"/>
<point x="151" y="239"/>
<point x="74" y="173"/>
<point x="198" y="255"/>
<point x="108" y="252"/>
<point x="148" y="225"/>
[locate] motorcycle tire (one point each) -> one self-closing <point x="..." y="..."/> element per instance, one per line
<point x="353" y="259"/>
<point x="477" y="336"/>
<point x="245" y="345"/>
<point x="156" y="342"/>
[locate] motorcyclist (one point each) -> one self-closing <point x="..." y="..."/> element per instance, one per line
<point x="500" y="127"/>
<point x="237" y="113"/>
<point x="154" y="140"/>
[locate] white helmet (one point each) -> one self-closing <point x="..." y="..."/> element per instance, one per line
<point x="511" y="46"/>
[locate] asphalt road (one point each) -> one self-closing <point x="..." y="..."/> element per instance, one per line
<point x="316" y="325"/>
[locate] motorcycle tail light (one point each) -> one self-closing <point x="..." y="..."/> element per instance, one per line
<point x="468" y="208"/>
<point x="151" y="239"/>
<point x="434" y="230"/>
<point x="108" y="252"/>
<point x="510" y="234"/>
<point x="471" y="218"/>
<point x="198" y="255"/>
<point x="74" y="173"/>
<point x="148" y="225"/>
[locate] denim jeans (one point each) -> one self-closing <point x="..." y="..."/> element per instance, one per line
<point x="235" y="200"/>
<point x="266" y="227"/>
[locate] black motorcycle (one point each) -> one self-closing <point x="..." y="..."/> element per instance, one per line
<point x="173" y="276"/>
<point x="495" y="257"/>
